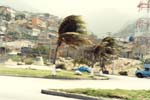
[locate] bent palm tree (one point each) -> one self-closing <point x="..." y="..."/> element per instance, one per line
<point x="105" y="50"/>
<point x="72" y="31"/>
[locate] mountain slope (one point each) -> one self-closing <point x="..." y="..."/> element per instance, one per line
<point x="20" y="23"/>
<point x="131" y="28"/>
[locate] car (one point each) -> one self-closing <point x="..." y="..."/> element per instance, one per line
<point x="144" y="72"/>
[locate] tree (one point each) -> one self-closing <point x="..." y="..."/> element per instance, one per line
<point x="72" y="31"/>
<point x="90" y="58"/>
<point x="105" y="51"/>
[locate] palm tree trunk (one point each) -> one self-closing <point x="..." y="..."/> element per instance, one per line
<point x="54" y="62"/>
<point x="102" y="64"/>
<point x="92" y="66"/>
<point x="92" y="70"/>
<point x="55" y="56"/>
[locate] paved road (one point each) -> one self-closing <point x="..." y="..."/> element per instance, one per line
<point x="18" y="88"/>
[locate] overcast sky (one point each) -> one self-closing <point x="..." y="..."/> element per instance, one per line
<point x="101" y="16"/>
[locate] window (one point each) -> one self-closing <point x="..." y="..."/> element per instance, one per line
<point x="146" y="69"/>
<point x="147" y="61"/>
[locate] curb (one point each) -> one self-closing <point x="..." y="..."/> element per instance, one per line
<point x="57" y="78"/>
<point x="69" y="95"/>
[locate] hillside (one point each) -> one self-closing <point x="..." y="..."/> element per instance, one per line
<point x="23" y="24"/>
<point x="130" y="29"/>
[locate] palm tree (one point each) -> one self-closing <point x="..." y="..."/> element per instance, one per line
<point x="72" y="31"/>
<point x="105" y="51"/>
<point x="90" y="57"/>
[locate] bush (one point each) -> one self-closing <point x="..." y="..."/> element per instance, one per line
<point x="106" y="72"/>
<point x="16" y="58"/>
<point x="61" y="66"/>
<point x="28" y="61"/>
<point x="123" y="73"/>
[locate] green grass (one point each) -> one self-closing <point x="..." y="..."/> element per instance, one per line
<point x="44" y="73"/>
<point x="117" y="93"/>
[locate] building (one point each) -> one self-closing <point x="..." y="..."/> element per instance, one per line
<point x="36" y="21"/>
<point x="35" y="32"/>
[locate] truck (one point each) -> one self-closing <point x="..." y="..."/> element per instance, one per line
<point x="144" y="72"/>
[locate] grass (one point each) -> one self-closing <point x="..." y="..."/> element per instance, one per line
<point x="44" y="73"/>
<point x="117" y="93"/>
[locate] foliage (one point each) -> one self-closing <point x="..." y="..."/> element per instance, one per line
<point x="117" y="93"/>
<point x="123" y="73"/>
<point x="8" y="17"/>
<point x="61" y="66"/>
<point x="147" y="61"/>
<point x="41" y="50"/>
<point x="89" y="56"/>
<point x="16" y="35"/>
<point x="106" y="51"/>
<point x="27" y="36"/>
<point x="81" y="60"/>
<point x="71" y="32"/>
<point x="13" y="34"/>
<point x="72" y="23"/>
<point x="28" y="61"/>
<point x="20" y="16"/>
<point x="102" y="52"/>
<point x="16" y="58"/>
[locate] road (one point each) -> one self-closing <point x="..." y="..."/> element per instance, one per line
<point x="18" y="88"/>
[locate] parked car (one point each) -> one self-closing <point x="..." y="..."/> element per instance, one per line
<point x="144" y="72"/>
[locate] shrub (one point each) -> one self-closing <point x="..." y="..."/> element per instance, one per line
<point x="16" y="58"/>
<point x="28" y="61"/>
<point x="61" y="66"/>
<point x="123" y="73"/>
<point x="106" y="72"/>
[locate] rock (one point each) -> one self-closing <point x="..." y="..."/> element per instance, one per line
<point x="77" y="72"/>
<point x="58" y="70"/>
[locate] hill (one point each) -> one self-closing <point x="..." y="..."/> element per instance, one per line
<point x="23" y="24"/>
<point x="130" y="28"/>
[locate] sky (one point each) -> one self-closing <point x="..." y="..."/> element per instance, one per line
<point x="101" y="16"/>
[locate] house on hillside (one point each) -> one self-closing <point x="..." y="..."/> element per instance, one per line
<point x="36" y="21"/>
<point x="35" y="32"/>
<point x="47" y="38"/>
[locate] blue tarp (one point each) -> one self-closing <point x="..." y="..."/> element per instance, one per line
<point x="84" y="69"/>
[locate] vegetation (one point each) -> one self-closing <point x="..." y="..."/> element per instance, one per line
<point x="29" y="72"/>
<point x="117" y="93"/>
<point x="71" y="32"/>
<point x="104" y="52"/>
<point x="16" y="58"/>
<point x="81" y="60"/>
<point x="61" y="66"/>
<point x="28" y="61"/>
<point x="41" y="50"/>
<point x="147" y="61"/>
<point x="16" y="35"/>
<point x="123" y="73"/>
